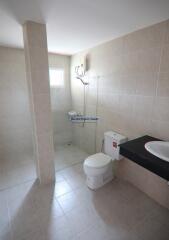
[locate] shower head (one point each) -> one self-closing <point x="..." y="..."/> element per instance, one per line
<point x="84" y="83"/>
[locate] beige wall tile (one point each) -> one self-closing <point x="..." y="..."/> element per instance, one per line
<point x="155" y="186"/>
<point x="149" y="37"/>
<point x="167" y="33"/>
<point x="117" y="48"/>
<point x="36" y="57"/>
<point x="164" y="66"/>
<point x="132" y="73"/>
<point x="161" y="109"/>
<point x="126" y="104"/>
<point x="40" y="58"/>
<point x="160" y="129"/>
<point x="146" y="84"/>
<point x="143" y="106"/>
<point x="37" y="31"/>
<point x="131" y="63"/>
<point x="163" y="85"/>
<point x="141" y="126"/>
<point x="149" y="60"/>
<point x="42" y="104"/>
<point x="40" y="85"/>
<point x="128" y="84"/>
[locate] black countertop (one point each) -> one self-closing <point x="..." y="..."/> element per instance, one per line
<point x="135" y="151"/>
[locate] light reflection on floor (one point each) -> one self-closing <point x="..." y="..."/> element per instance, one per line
<point x="68" y="210"/>
<point x="21" y="169"/>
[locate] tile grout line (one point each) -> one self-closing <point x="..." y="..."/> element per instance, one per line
<point x="158" y="72"/>
<point x="161" y="54"/>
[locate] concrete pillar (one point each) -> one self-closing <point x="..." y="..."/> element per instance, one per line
<point x="37" y="70"/>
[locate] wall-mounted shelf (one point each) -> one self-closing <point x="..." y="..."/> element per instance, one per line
<point x="82" y="119"/>
<point x="75" y="117"/>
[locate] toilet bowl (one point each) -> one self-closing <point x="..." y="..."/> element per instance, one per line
<point x="99" y="167"/>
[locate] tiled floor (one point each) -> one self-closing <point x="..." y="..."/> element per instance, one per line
<point x="21" y="168"/>
<point x="67" y="155"/>
<point x="68" y="210"/>
<point x="16" y="170"/>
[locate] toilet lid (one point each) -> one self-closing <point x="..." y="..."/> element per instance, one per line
<point x="97" y="160"/>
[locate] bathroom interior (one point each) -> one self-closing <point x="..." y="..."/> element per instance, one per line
<point x="84" y="120"/>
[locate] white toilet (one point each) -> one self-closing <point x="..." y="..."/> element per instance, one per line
<point x="99" y="167"/>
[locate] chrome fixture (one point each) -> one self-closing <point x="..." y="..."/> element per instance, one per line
<point x="80" y="73"/>
<point x="84" y="83"/>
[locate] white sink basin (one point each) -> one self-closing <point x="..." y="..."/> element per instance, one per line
<point x="158" y="148"/>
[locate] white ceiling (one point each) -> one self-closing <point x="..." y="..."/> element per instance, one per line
<point x="74" y="25"/>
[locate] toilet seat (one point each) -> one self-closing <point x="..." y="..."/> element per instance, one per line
<point x="98" y="160"/>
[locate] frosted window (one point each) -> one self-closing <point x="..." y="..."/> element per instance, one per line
<point x="56" y="77"/>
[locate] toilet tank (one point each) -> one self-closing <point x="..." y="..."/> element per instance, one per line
<point x="111" y="142"/>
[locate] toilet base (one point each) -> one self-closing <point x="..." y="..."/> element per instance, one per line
<point x="95" y="182"/>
